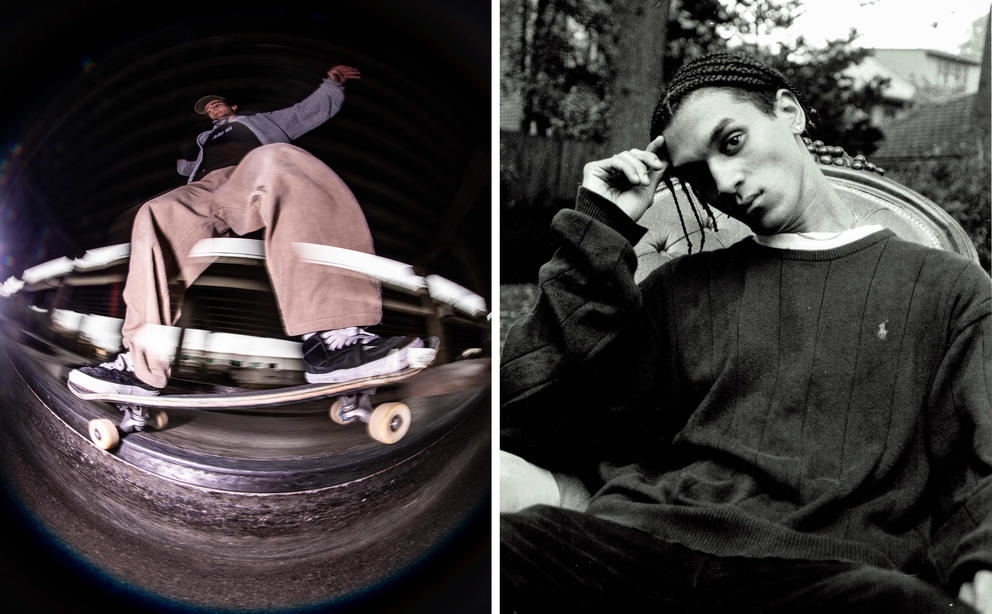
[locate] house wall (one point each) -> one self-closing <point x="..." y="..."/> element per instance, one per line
<point x="931" y="69"/>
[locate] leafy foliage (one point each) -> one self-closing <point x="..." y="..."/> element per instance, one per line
<point x="556" y="53"/>
<point x="961" y="187"/>
<point x="561" y="54"/>
<point x="972" y="48"/>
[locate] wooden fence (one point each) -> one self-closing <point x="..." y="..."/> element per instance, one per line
<point x="540" y="168"/>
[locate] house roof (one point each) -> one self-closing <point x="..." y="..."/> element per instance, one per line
<point x="954" y="57"/>
<point x="941" y="129"/>
<point x="899" y="89"/>
<point x="934" y="52"/>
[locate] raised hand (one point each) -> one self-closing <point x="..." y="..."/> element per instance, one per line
<point x="628" y="179"/>
<point x="342" y="73"/>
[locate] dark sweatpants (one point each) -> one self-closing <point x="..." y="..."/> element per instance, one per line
<point x="573" y="561"/>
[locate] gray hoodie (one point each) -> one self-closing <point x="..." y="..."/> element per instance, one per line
<point x="282" y="125"/>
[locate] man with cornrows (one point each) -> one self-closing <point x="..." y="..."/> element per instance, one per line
<point x="800" y="422"/>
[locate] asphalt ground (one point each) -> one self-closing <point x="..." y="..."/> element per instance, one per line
<point x="90" y="529"/>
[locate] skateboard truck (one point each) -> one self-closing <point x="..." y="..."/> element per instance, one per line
<point x="104" y="433"/>
<point x="134" y="418"/>
<point x="387" y="423"/>
<point x="353" y="406"/>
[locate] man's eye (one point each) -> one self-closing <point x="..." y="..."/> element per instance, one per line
<point x="733" y="143"/>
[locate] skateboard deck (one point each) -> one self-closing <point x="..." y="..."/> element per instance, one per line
<point x="387" y="423"/>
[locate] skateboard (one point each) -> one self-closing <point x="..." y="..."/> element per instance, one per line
<point x="387" y="423"/>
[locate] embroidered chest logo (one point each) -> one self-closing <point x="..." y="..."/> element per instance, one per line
<point x="218" y="134"/>
<point x="882" y="332"/>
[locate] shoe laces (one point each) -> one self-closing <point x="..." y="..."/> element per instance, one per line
<point x="343" y="337"/>
<point x="123" y="363"/>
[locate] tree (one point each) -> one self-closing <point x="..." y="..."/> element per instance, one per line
<point x="638" y="75"/>
<point x="572" y="62"/>
<point x="972" y="48"/>
<point x="557" y="55"/>
<point x="698" y="27"/>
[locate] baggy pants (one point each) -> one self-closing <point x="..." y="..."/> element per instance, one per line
<point x="554" y="559"/>
<point x="281" y="188"/>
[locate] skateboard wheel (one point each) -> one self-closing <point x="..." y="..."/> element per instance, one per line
<point x="104" y="433"/>
<point x="389" y="422"/>
<point x="157" y="420"/>
<point x="336" y="412"/>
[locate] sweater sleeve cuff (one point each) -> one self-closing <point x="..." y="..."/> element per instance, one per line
<point x="334" y="84"/>
<point x="602" y="210"/>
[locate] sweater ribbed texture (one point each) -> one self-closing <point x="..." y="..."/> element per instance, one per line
<point x="752" y="401"/>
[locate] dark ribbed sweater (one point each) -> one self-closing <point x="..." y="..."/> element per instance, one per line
<point x="751" y="401"/>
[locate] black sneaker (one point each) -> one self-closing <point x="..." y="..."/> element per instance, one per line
<point x="111" y="378"/>
<point x="365" y="355"/>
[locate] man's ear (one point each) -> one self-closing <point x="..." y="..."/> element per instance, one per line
<point x="234" y="107"/>
<point x="787" y="105"/>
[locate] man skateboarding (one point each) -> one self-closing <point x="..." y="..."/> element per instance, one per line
<point x="248" y="176"/>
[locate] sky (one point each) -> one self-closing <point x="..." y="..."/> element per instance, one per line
<point x="902" y="24"/>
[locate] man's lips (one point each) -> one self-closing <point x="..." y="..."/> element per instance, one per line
<point x="749" y="201"/>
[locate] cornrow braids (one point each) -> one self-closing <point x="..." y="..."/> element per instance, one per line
<point x="671" y="188"/>
<point x="695" y="214"/>
<point x="754" y="79"/>
<point x="706" y="208"/>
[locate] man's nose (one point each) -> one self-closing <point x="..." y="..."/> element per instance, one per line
<point x="726" y="176"/>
